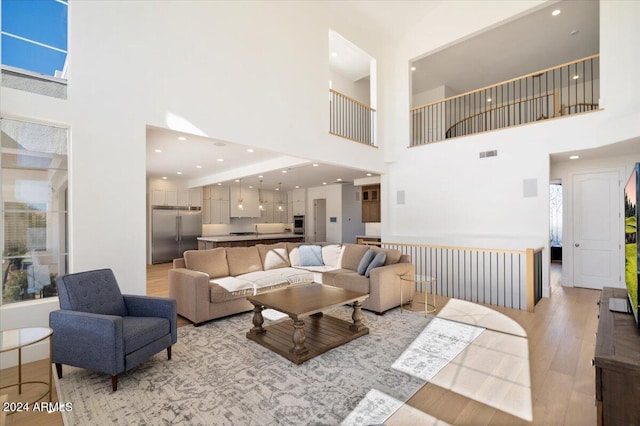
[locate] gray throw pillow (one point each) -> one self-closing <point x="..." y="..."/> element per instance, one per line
<point x="365" y="261"/>
<point x="310" y="255"/>
<point x="377" y="261"/>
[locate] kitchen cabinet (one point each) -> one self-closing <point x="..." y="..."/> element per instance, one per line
<point x="371" y="203"/>
<point x="299" y="202"/>
<point x="215" y="208"/>
<point x="174" y="197"/>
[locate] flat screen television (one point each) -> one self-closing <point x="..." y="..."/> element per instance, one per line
<point x="631" y="237"/>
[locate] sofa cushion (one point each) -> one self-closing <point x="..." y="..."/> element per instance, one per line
<point x="310" y="255"/>
<point x="242" y="260"/>
<point x="352" y="254"/>
<point x="377" y="261"/>
<point x="266" y="280"/>
<point x="228" y="288"/>
<point x="393" y="256"/>
<point x="212" y="262"/>
<point x="365" y="261"/>
<point x="330" y="277"/>
<point x="352" y="281"/>
<point x="140" y="331"/>
<point x="274" y="256"/>
<point x="332" y="255"/>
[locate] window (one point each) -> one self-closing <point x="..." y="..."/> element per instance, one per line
<point x="34" y="209"/>
<point x="34" y="36"/>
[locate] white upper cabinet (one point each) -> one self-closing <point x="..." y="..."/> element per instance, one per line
<point x="249" y="197"/>
<point x="299" y="201"/>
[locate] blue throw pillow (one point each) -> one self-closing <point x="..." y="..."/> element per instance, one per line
<point x="365" y="261"/>
<point x="377" y="261"/>
<point x="310" y="255"/>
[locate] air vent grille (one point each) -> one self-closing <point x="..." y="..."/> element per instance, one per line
<point x="486" y="154"/>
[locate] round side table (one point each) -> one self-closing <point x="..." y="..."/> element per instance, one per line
<point x="20" y="338"/>
<point x="423" y="281"/>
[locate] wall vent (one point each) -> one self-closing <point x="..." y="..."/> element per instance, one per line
<point x="485" y="154"/>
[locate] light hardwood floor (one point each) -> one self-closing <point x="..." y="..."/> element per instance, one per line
<point x="560" y="341"/>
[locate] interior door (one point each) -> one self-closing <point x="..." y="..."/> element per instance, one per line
<point x="596" y="224"/>
<point x="320" y="220"/>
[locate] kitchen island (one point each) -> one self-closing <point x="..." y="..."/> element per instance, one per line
<point x="252" y="239"/>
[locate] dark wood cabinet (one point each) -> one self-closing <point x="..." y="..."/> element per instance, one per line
<point x="617" y="364"/>
<point x="371" y="203"/>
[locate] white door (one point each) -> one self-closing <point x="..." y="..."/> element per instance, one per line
<point x="596" y="224"/>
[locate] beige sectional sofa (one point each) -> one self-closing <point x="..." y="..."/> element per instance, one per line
<point x="209" y="284"/>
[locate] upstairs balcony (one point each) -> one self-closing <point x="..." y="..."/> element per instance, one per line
<point x="564" y="90"/>
<point x="351" y="119"/>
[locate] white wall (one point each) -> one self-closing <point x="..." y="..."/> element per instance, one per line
<point x="333" y="195"/>
<point x="351" y="215"/>
<point x="358" y="90"/>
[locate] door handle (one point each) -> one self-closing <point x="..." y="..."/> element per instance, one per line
<point x="577" y="245"/>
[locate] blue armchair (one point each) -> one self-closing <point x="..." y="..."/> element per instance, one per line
<point x="100" y="329"/>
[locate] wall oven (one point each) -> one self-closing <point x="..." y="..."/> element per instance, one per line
<point x="298" y="224"/>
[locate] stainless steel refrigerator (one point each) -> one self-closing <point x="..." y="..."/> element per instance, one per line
<point x="174" y="230"/>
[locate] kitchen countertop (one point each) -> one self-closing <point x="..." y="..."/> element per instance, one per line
<point x="368" y="236"/>
<point x="252" y="237"/>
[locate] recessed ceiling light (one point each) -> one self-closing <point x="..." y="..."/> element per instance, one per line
<point x="237" y="180"/>
<point x="198" y="167"/>
<point x="250" y="186"/>
<point x="575" y="77"/>
<point x="324" y="183"/>
<point x="368" y="174"/>
<point x="158" y="150"/>
<point x="182" y="138"/>
<point x="284" y="171"/>
<point x="339" y="179"/>
<point x="315" y="165"/>
<point x="574" y="157"/>
<point x="178" y="173"/>
<point x="556" y="12"/>
<point x="297" y="186"/>
<point x="277" y="189"/>
<point x="164" y="177"/>
<point x="219" y="183"/>
<point x="260" y="176"/>
<point x="413" y="68"/>
<point x="221" y="159"/>
<point x="488" y="99"/>
<point x="250" y="150"/>
<point x="334" y="54"/>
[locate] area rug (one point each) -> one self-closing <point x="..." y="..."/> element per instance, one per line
<point x="219" y="377"/>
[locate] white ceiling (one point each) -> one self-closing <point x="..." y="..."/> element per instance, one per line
<point x="185" y="156"/>
<point x="621" y="149"/>
<point x="522" y="46"/>
<point x="346" y="59"/>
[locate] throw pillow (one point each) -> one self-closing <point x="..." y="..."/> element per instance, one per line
<point x="365" y="261"/>
<point x="377" y="261"/>
<point x="310" y="255"/>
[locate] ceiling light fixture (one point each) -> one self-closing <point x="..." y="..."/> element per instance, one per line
<point x="164" y="178"/>
<point x="575" y="77"/>
<point x="488" y="100"/>
<point x="260" y="176"/>
<point x="284" y="171"/>
<point x="250" y="150"/>
<point x="315" y="165"/>
<point x="198" y="167"/>
<point x="158" y="150"/>
<point x="369" y="174"/>
<point x="555" y="12"/>
<point x="324" y="183"/>
<point x="280" y="204"/>
<point x="574" y="157"/>
<point x="413" y="68"/>
<point x="260" y="203"/>
<point x="221" y="159"/>
<point x="334" y="54"/>
<point x="182" y="138"/>
<point x="178" y="173"/>
<point x="297" y="186"/>
<point x="339" y="179"/>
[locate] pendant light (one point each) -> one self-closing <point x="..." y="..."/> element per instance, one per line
<point x="240" y="206"/>
<point x="280" y="207"/>
<point x="261" y="205"/>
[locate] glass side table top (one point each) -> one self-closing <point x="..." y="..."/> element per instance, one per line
<point x="21" y="337"/>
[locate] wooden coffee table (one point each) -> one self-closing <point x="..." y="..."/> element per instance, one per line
<point x="308" y="333"/>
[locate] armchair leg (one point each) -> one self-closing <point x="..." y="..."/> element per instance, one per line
<point x="169" y="352"/>
<point x="114" y="383"/>
<point x="59" y="370"/>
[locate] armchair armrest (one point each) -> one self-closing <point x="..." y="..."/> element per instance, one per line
<point x="87" y="340"/>
<point x="159" y="307"/>
<point x="191" y="291"/>
<point x="385" y="284"/>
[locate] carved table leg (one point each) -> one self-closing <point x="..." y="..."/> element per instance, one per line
<point x="257" y="320"/>
<point x="298" y="337"/>
<point x="358" y="318"/>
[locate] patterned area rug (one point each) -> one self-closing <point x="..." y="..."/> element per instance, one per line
<point x="219" y="377"/>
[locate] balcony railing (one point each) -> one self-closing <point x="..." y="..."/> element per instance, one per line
<point x="567" y="89"/>
<point x="351" y="119"/>
<point x="508" y="278"/>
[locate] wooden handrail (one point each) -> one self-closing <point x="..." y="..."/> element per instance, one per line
<point x="459" y="248"/>
<point x="352" y="100"/>
<point x="508" y="81"/>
